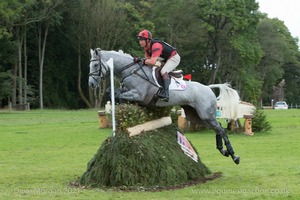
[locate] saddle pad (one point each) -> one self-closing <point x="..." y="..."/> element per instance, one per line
<point x="176" y="83"/>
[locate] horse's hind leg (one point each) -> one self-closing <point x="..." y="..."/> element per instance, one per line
<point x="221" y="134"/>
<point x="229" y="150"/>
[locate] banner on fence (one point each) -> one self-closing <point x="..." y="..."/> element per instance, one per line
<point x="186" y="146"/>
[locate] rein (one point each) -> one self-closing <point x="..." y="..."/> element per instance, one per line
<point x="135" y="71"/>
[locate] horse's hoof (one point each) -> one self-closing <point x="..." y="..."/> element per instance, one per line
<point x="225" y="153"/>
<point x="237" y="160"/>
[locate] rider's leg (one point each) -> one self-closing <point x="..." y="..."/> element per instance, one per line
<point x="164" y="95"/>
<point x="170" y="65"/>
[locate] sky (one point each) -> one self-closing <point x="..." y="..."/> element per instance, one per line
<point x="286" y="11"/>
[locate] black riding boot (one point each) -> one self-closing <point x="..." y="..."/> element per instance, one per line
<point x="164" y="94"/>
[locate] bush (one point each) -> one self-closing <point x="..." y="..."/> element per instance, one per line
<point x="150" y="160"/>
<point x="129" y="115"/>
<point x="260" y="122"/>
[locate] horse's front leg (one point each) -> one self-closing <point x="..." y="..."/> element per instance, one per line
<point x="131" y="95"/>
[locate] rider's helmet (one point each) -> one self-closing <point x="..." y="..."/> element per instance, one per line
<point x="144" y="34"/>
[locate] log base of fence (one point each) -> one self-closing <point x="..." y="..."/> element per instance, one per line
<point x="182" y="123"/>
<point x="234" y="125"/>
<point x="186" y="125"/>
<point x="22" y="106"/>
<point x="150" y="125"/>
<point x="248" y="124"/>
<point x="104" y="123"/>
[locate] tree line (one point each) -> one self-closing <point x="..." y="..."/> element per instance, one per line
<point x="44" y="47"/>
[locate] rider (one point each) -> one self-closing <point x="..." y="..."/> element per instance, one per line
<point x="157" y="50"/>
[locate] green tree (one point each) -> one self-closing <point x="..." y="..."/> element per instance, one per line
<point x="7" y="58"/>
<point x="292" y="80"/>
<point x="229" y="25"/>
<point x="218" y="41"/>
<point x="12" y="27"/>
<point x="50" y="15"/>
<point x="10" y="12"/>
<point x="138" y="17"/>
<point x="279" y="49"/>
<point x="179" y="25"/>
<point x="94" y="24"/>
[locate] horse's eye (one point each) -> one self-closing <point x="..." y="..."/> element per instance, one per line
<point x="96" y="65"/>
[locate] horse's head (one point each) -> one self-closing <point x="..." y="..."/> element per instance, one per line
<point x="98" y="68"/>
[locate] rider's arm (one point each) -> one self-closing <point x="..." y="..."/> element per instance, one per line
<point x="156" y="51"/>
<point x="151" y="61"/>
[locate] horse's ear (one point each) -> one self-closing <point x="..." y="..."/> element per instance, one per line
<point x="91" y="51"/>
<point x="96" y="52"/>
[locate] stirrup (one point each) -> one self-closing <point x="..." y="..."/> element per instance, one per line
<point x="166" y="99"/>
<point x="163" y="97"/>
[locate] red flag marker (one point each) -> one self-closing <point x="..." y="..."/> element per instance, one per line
<point x="188" y="76"/>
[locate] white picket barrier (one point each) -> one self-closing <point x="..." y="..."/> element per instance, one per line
<point x="110" y="63"/>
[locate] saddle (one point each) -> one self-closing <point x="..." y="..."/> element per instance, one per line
<point x="176" y="77"/>
<point x="176" y="74"/>
<point x="157" y="75"/>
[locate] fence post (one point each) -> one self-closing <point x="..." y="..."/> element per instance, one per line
<point x="110" y="63"/>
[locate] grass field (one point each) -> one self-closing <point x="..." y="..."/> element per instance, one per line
<point x="41" y="152"/>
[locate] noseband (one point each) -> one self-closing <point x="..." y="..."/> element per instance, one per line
<point x="99" y="71"/>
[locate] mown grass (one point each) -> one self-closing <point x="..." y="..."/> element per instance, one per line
<point x="41" y="152"/>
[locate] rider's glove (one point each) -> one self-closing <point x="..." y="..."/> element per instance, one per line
<point x="137" y="59"/>
<point x="143" y="61"/>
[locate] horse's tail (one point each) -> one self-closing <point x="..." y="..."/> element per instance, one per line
<point x="228" y="100"/>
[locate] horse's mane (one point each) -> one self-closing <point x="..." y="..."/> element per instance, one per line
<point x="121" y="53"/>
<point x="126" y="54"/>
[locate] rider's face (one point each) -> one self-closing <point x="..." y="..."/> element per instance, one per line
<point x="143" y="43"/>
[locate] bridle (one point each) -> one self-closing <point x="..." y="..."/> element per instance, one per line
<point x="102" y="73"/>
<point x="98" y="72"/>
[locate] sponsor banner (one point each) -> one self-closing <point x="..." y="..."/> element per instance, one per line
<point x="186" y="146"/>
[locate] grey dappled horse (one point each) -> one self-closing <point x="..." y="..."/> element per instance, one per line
<point x="198" y="101"/>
